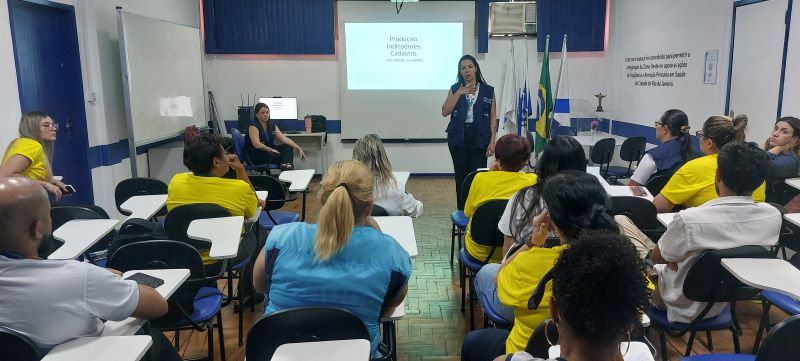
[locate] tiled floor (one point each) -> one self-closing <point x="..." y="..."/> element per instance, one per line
<point x="434" y="326"/>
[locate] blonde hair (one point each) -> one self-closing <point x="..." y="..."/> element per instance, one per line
<point x="370" y="151"/>
<point x="346" y="197"/>
<point x="723" y="129"/>
<point x="29" y="128"/>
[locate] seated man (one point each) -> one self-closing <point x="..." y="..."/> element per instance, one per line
<point x="52" y="302"/>
<point x="209" y="163"/>
<point x="730" y="221"/>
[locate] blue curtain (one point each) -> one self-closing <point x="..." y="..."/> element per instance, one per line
<point x="269" y="26"/>
<point x="584" y="22"/>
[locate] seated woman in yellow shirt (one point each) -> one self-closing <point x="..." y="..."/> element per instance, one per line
<point x="693" y="184"/>
<point x="502" y="180"/>
<point x="29" y="155"/>
<point x="576" y="202"/>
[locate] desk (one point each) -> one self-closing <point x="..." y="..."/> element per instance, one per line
<point x="261" y="195"/>
<point x="124" y="348"/>
<point x="173" y="278"/>
<point x="590" y="140"/>
<point x="224" y="234"/>
<point x="322" y="138"/>
<point x="793" y="217"/>
<point x="79" y="235"/>
<point x="625" y="191"/>
<point x="595" y="171"/>
<point x="298" y="182"/>
<point x="793" y="182"/>
<point x="341" y="350"/>
<point x="766" y="273"/>
<point x="402" y="179"/>
<point x="144" y="207"/>
<point x="400" y="228"/>
<point x="666" y="218"/>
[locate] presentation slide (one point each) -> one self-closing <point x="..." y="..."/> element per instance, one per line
<point x="281" y="108"/>
<point x="402" y="56"/>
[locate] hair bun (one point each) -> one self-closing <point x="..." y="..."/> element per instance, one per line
<point x="685" y="129"/>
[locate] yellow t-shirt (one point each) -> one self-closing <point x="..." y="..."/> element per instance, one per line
<point x="693" y="184"/>
<point x="488" y="186"/>
<point x="33" y="150"/>
<point x="515" y="284"/>
<point x="232" y="194"/>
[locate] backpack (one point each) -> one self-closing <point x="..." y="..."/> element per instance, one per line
<point x="319" y="124"/>
<point x="136" y="230"/>
<point x="190" y="133"/>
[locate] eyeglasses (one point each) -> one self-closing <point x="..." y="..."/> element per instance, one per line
<point x="699" y="134"/>
<point x="659" y="123"/>
<point x="53" y="126"/>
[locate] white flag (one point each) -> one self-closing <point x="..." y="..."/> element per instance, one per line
<point x="508" y="100"/>
<point x="561" y="109"/>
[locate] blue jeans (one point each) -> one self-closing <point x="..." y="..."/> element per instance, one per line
<point x="486" y="288"/>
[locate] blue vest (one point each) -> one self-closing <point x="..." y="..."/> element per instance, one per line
<point x="667" y="156"/>
<point x="265" y="136"/>
<point x="480" y="116"/>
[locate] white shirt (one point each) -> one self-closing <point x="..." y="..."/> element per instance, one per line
<point x="397" y="202"/>
<point x="52" y="302"/>
<point x="722" y="223"/>
<point x="644" y="170"/>
<point x="507" y="225"/>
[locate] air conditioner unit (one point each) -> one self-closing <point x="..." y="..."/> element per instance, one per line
<point x="512" y="18"/>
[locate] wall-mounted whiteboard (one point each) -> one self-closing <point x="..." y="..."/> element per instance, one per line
<point x="162" y="70"/>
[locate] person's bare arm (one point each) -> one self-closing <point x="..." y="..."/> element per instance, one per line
<point x="493" y="125"/>
<point x="663" y="205"/>
<point x="396" y="301"/>
<point x="151" y="304"/>
<point x="452" y="99"/>
<point x="508" y="241"/>
<point x="252" y="132"/>
<point x="16" y="164"/>
<point x="259" y="273"/>
<point x="288" y="141"/>
<point x="633" y="183"/>
<point x="657" y="258"/>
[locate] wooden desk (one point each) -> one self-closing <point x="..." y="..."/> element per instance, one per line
<point x="79" y="235"/>
<point x="173" y="278"/>
<point x="341" y="350"/>
<point x="123" y="348"/>
<point x="770" y="274"/>
<point x="144" y="207"/>
<point x="321" y="136"/>
<point x="299" y="180"/>
<point x="224" y="233"/>
<point x="401" y="228"/>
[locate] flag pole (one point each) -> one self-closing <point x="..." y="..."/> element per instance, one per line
<point x="558" y="83"/>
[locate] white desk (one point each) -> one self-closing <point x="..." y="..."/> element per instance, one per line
<point x="402" y="179"/>
<point x="341" y="350"/>
<point x="299" y="180"/>
<point x="625" y="191"/>
<point x="321" y="136"/>
<point x="124" y="348"/>
<point x="793" y="182"/>
<point x="793" y="217"/>
<point x="79" y="235"/>
<point x="224" y="234"/>
<point x="400" y="228"/>
<point x="173" y="278"/>
<point x="144" y="207"/>
<point x="590" y="140"/>
<point x="666" y="218"/>
<point x="595" y="171"/>
<point x="766" y="273"/>
<point x="261" y="195"/>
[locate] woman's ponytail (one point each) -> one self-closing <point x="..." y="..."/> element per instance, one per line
<point x="335" y="224"/>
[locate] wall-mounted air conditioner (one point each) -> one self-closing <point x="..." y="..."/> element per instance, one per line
<point x="512" y="18"/>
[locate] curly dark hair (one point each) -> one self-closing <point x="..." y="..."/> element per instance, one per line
<point x="199" y="154"/>
<point x="743" y="167"/>
<point x="598" y="286"/>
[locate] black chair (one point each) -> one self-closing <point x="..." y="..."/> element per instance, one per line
<point x="564" y="130"/>
<point x="178" y="219"/>
<point x="602" y="152"/>
<point x="785" y="303"/>
<point x="62" y="214"/>
<point x="632" y="150"/>
<point x="15" y="346"/>
<point x="193" y="305"/>
<point x="378" y="211"/>
<point x="788" y="238"/>
<point x="656" y="183"/>
<point x="538" y="345"/>
<point x="276" y="198"/>
<point x="140" y="186"/>
<point x="780" y="345"/>
<point x="484" y="232"/>
<point x="459" y="219"/>
<point x="302" y="324"/>
<point x="778" y="191"/>
<point x="707" y="281"/>
<point x="642" y="213"/>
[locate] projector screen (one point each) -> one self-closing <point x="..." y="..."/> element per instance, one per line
<point x="281" y="108"/>
<point x="396" y="69"/>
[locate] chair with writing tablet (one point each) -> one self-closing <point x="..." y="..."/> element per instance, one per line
<point x="139" y="186"/>
<point x="15" y="346"/>
<point x="459" y="219"/>
<point x="780" y="345"/>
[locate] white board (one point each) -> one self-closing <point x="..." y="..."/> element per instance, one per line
<point x="162" y="66"/>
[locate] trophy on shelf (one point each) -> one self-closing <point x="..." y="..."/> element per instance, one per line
<point x="599" y="97"/>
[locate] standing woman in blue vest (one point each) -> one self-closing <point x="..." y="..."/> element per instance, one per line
<point x="672" y="130"/>
<point x="472" y="128"/>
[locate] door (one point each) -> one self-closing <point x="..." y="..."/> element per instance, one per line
<point x="757" y="63"/>
<point x="49" y="79"/>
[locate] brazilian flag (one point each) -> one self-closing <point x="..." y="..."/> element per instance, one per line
<point x="544" y="105"/>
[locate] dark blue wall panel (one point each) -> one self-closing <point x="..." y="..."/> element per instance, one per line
<point x="269" y="27"/>
<point x="584" y="22"/>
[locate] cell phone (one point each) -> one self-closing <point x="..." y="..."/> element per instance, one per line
<point x="69" y="189"/>
<point x="638" y="191"/>
<point x="146" y="280"/>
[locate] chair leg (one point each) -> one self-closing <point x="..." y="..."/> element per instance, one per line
<point x="689" y="344"/>
<point x="709" y="339"/>
<point x="471" y="279"/>
<point x="177" y="339"/>
<point x="736" y="348"/>
<point x="210" y="340"/>
<point x="241" y="315"/>
<point x="221" y="336"/>
<point x="461" y="276"/>
<point x="663" y="338"/>
<point x="736" y="324"/>
<point x="452" y="243"/>
<point x="765" y="305"/>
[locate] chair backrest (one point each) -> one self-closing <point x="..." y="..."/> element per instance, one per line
<point x="537" y="344"/>
<point x="603" y="151"/>
<point x="465" y="186"/>
<point x="14" y="346"/>
<point x="276" y="190"/>
<point x="641" y="211"/>
<point x="708" y="281"/>
<point x="484" y="224"/>
<point x="378" y="211"/>
<point x="302" y="324"/>
<point x="238" y="143"/>
<point x="632" y="149"/>
<point x="139" y="186"/>
<point x="179" y="218"/>
<point x="781" y="342"/>
<point x="563" y="130"/>
<point x="656" y="183"/>
<point x="64" y="213"/>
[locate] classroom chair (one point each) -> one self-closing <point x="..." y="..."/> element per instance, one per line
<point x="15" y="346"/>
<point x="708" y="281"/>
<point x="602" y="152"/>
<point x="301" y="324"/>
<point x="140" y="186"/>
<point x="459" y="219"/>
<point x="484" y="232"/>
<point x="538" y="345"/>
<point x="62" y="214"/>
<point x="564" y="130"/>
<point x="632" y="150"/>
<point x="641" y="212"/>
<point x="780" y="345"/>
<point x="378" y="211"/>
<point x="276" y="198"/>
<point x="783" y="302"/>
<point x="788" y="238"/>
<point x="656" y="184"/>
<point x="238" y="145"/>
